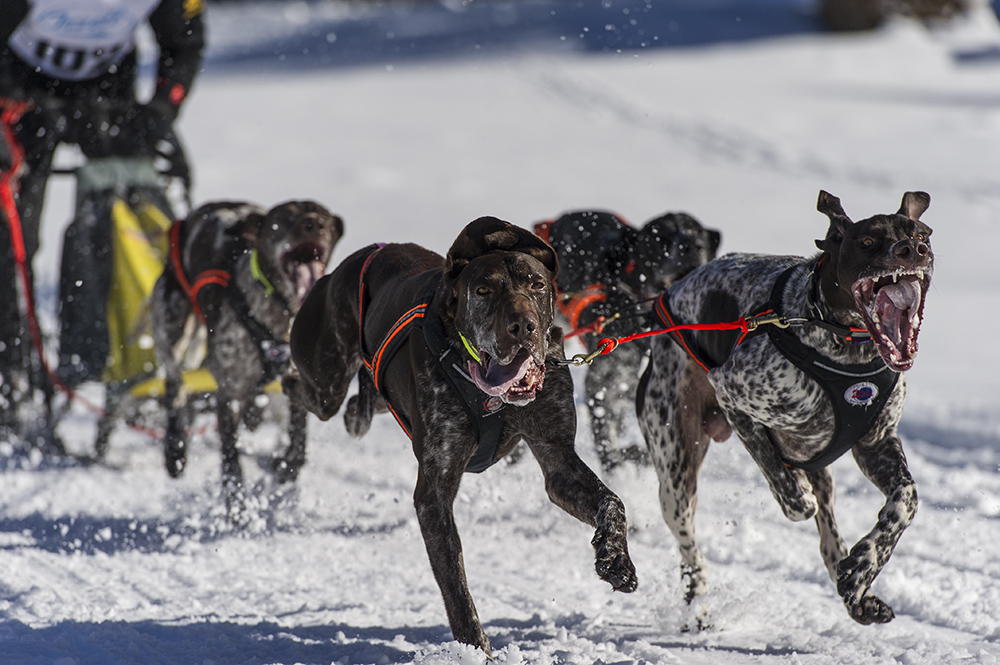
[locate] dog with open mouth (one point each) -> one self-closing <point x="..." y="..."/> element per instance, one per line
<point x="817" y="374"/>
<point x="241" y="272"/>
<point x="462" y="349"/>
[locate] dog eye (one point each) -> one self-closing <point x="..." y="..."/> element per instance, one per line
<point x="867" y="242"/>
<point x="537" y="285"/>
<point x="482" y="291"/>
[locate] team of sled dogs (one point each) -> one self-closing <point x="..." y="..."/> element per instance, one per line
<point x="467" y="352"/>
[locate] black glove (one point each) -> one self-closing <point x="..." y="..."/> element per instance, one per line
<point x="154" y="121"/>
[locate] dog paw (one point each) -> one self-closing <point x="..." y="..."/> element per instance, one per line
<point x="355" y="422"/>
<point x="801" y="508"/>
<point x="614" y="566"/>
<point x="618" y="571"/>
<point x="870" y="609"/>
<point x="695" y="581"/>
<point x="855" y="573"/>
<point x="175" y="457"/>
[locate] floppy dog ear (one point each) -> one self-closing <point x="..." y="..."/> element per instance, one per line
<point x="829" y="205"/>
<point x="714" y="240"/>
<point x="249" y="228"/>
<point x="489" y="234"/>
<point x="914" y="204"/>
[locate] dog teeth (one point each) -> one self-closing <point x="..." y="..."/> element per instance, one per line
<point x="920" y="275"/>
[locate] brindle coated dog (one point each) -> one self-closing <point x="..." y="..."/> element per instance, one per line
<point x="868" y="284"/>
<point x="242" y="272"/>
<point x="609" y="269"/>
<point x="495" y="290"/>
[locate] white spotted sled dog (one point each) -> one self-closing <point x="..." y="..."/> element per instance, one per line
<point x="825" y="378"/>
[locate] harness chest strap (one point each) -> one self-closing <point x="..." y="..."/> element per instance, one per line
<point x="486" y="414"/>
<point x="858" y="392"/>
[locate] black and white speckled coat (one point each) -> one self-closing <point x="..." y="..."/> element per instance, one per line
<point x="871" y="275"/>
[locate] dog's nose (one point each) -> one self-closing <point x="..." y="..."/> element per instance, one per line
<point x="522" y="324"/>
<point x="911" y="250"/>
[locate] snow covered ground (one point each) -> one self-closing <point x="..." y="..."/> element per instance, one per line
<point x="412" y="122"/>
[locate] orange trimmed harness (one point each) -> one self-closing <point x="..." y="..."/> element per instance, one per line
<point x="211" y="276"/>
<point x="486" y="413"/>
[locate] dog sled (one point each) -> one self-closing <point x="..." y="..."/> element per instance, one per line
<point x="114" y="250"/>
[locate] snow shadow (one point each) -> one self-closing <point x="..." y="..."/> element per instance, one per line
<point x="222" y="643"/>
<point x="423" y="31"/>
<point x="266" y="514"/>
<point x="973" y="439"/>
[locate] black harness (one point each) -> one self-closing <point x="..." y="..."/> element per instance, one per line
<point x="857" y="392"/>
<point x="486" y="413"/>
<point x="275" y="354"/>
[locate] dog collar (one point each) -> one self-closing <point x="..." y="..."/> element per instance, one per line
<point x="471" y="349"/>
<point x="855" y="336"/>
<point x="258" y="275"/>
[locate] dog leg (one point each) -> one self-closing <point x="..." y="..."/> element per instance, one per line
<point x="673" y="395"/>
<point x="174" y="326"/>
<point x="610" y="386"/>
<point x="596" y="388"/>
<point x="798" y="503"/>
<point x="232" y="472"/>
<point x="106" y="423"/>
<point x="885" y="465"/>
<point x="287" y="466"/>
<point x="572" y="486"/>
<point x="326" y="351"/>
<point x="175" y="436"/>
<point x="831" y="545"/>
<point x="433" y="498"/>
<point x="361" y="407"/>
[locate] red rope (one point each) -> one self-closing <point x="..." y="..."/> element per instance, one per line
<point x="609" y="344"/>
<point x="11" y="114"/>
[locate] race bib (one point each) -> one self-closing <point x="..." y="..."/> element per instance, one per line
<point x="75" y="40"/>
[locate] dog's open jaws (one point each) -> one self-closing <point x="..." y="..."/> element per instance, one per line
<point x="516" y="383"/>
<point x="892" y="306"/>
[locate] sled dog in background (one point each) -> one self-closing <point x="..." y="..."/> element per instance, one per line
<point x="609" y="269"/>
<point x="242" y="272"/>
<point x="463" y="351"/>
<point x="800" y="396"/>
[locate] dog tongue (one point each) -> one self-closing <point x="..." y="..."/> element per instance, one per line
<point x="499" y="378"/>
<point x="904" y="294"/>
<point x="898" y="305"/>
<point x="304" y="276"/>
